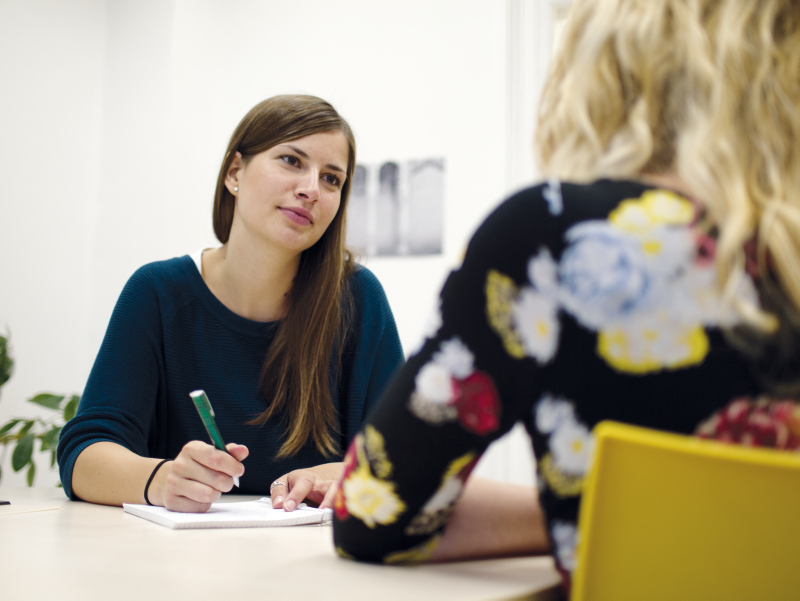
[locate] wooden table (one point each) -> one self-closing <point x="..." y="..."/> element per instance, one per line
<point x="55" y="549"/>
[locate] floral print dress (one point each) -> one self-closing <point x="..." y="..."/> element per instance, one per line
<point x="574" y="304"/>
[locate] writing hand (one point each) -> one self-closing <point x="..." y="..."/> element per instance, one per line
<point x="198" y="476"/>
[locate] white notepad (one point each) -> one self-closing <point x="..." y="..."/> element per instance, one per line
<point x="242" y="514"/>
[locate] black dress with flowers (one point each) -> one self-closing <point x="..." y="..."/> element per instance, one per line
<point x="574" y="304"/>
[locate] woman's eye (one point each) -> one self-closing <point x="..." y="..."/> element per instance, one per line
<point x="290" y="160"/>
<point x="331" y="179"/>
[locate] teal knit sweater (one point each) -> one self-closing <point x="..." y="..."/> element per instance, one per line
<point x="169" y="335"/>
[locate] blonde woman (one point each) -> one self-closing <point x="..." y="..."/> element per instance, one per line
<point x="290" y="339"/>
<point x="652" y="279"/>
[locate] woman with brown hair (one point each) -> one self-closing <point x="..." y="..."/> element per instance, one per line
<point x="651" y="279"/>
<point x="290" y="339"/>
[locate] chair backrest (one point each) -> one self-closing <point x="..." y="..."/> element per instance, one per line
<point x="671" y="517"/>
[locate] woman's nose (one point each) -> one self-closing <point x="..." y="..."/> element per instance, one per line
<point x="308" y="186"/>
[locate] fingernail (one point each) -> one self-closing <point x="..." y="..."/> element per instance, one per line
<point x="290" y="505"/>
<point x="277" y="500"/>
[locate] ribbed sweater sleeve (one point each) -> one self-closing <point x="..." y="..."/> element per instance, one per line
<point x="378" y="353"/>
<point x="118" y="402"/>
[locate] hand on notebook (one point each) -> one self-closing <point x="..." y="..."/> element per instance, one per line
<point x="198" y="476"/>
<point x="315" y="485"/>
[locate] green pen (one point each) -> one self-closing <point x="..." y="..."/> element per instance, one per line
<point x="206" y="412"/>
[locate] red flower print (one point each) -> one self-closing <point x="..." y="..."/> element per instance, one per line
<point x="761" y="423"/>
<point x="706" y="248"/>
<point x="350" y="463"/>
<point x="340" y="505"/>
<point x="478" y="404"/>
<point x="350" y="460"/>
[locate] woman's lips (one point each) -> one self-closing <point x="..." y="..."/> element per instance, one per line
<point x="297" y="215"/>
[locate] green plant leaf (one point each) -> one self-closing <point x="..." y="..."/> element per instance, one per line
<point x="27" y="427"/>
<point x="52" y="458"/>
<point x="31" y="473"/>
<point x="22" y="452"/>
<point x="50" y="438"/>
<point x="6" y="362"/>
<point x="71" y="407"/>
<point x="45" y="399"/>
<point x="8" y="426"/>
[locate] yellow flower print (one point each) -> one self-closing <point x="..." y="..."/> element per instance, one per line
<point x="378" y="460"/>
<point x="371" y="500"/>
<point x="343" y="554"/>
<point x="651" y="247"/>
<point x="653" y="208"/>
<point x="458" y="464"/>
<point x="437" y="510"/>
<point x="670" y="341"/>
<point x="414" y="554"/>
<point x="561" y="483"/>
<point x="645" y="349"/>
<point x="362" y="495"/>
<point x="501" y="296"/>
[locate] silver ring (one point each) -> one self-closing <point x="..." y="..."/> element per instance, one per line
<point x="276" y="483"/>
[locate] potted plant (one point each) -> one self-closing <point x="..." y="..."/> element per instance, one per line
<point x="22" y="433"/>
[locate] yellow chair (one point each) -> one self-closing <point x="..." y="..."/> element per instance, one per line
<point x="671" y="517"/>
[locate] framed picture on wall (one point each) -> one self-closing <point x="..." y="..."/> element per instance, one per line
<point x="397" y="208"/>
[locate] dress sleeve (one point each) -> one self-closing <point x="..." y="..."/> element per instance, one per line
<point x="472" y="380"/>
<point x="119" y="400"/>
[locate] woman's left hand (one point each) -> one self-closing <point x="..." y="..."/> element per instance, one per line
<point x="316" y="485"/>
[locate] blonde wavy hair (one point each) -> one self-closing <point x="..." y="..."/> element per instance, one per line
<point x="708" y="90"/>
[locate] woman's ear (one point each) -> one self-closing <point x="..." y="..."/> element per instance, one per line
<point x="232" y="176"/>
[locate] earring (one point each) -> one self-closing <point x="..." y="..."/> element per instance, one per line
<point x="236" y="188"/>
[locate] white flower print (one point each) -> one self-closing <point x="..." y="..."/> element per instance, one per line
<point x="455" y="357"/>
<point x="667" y="252"/>
<point x="543" y="273"/>
<point x="637" y="278"/>
<point x="704" y="304"/>
<point x="552" y="412"/>
<point x="536" y="323"/>
<point x="445" y="495"/>
<point x="565" y="537"/>
<point x="603" y="275"/>
<point x="433" y="323"/>
<point x="434" y="383"/>
<point x="435" y="513"/>
<point x="697" y="299"/>
<point x="552" y="194"/>
<point x="649" y="343"/>
<point x="433" y="413"/>
<point x="571" y="446"/>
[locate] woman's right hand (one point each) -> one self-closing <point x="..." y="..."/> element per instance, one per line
<point x="197" y="477"/>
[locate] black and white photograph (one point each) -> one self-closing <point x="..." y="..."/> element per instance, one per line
<point x="397" y="208"/>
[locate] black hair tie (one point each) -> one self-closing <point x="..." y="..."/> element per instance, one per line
<point x="150" y="479"/>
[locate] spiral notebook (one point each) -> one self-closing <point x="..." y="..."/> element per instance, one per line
<point x="240" y="514"/>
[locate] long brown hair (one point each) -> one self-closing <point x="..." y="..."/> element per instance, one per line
<point x="295" y="375"/>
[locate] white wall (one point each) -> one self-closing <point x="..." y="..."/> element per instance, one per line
<point x="114" y="115"/>
<point x="52" y="60"/>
